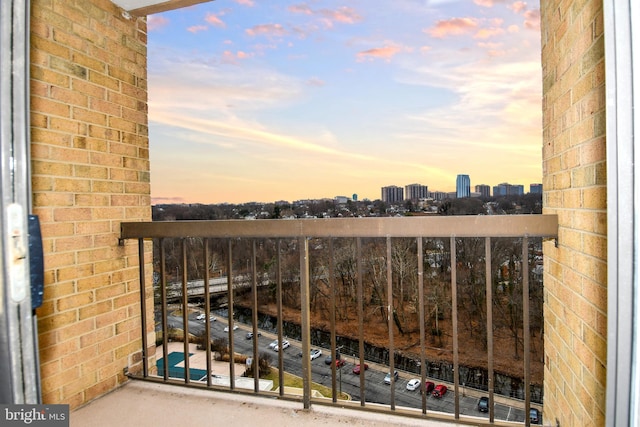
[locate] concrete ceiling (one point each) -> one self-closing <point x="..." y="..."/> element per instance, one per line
<point x="149" y="7"/>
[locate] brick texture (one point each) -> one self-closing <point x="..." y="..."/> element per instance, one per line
<point x="90" y="171"/>
<point x="574" y="164"/>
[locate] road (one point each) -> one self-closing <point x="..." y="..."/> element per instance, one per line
<point x="376" y="391"/>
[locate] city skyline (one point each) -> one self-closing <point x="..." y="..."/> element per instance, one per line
<point x="252" y="100"/>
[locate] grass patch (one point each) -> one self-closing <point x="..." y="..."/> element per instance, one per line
<point x="291" y="380"/>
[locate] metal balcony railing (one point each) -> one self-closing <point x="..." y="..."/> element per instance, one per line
<point x="245" y="256"/>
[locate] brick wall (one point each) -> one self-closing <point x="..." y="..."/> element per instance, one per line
<point x="574" y="169"/>
<point x="90" y="170"/>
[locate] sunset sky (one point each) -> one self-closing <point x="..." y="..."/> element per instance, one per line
<point x="257" y="100"/>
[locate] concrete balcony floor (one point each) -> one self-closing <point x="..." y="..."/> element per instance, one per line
<point x="142" y="404"/>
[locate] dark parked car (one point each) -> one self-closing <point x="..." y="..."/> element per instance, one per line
<point x="483" y="404"/>
<point x="327" y="360"/>
<point x="429" y="386"/>
<point x="440" y="390"/>
<point x="534" y="416"/>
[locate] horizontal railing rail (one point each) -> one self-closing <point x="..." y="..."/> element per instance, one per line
<point x="427" y="226"/>
<point x="449" y="229"/>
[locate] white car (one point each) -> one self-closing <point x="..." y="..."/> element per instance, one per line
<point x="273" y="344"/>
<point x="201" y="316"/>
<point x="413" y="384"/>
<point x="226" y="328"/>
<point x="285" y="344"/>
<point x="316" y="353"/>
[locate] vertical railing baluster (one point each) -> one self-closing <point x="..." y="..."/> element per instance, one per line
<point x="207" y="311"/>
<point x="489" y="302"/>
<point x="332" y="314"/>
<point x="390" y="324"/>
<point x="305" y="321"/>
<point x="143" y="309"/>
<point x="254" y="318"/>
<point x="279" y="320"/>
<point x="454" y="320"/>
<point x="423" y="368"/>
<point x="360" y="318"/>
<point x="185" y="313"/>
<point x="232" y="370"/>
<point x="163" y="300"/>
<point x="527" y="332"/>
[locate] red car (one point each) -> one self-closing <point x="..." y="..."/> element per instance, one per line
<point x="440" y="390"/>
<point x="429" y="386"/>
<point x="340" y="363"/>
<point x="356" y="369"/>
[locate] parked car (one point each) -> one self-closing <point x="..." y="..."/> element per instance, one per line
<point x="534" y="416"/>
<point x="226" y="328"/>
<point x="387" y="378"/>
<point x="440" y="390"/>
<point x="201" y="316"/>
<point x="285" y="345"/>
<point x="250" y="335"/>
<point x="327" y="360"/>
<point x="315" y="353"/>
<point x="273" y="344"/>
<point x="356" y="369"/>
<point x="483" y="404"/>
<point x="212" y="318"/>
<point x="413" y="384"/>
<point x="429" y="386"/>
<point x="340" y="363"/>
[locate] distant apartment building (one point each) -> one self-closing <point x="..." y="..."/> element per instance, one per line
<point x="438" y="195"/>
<point x="484" y="190"/>
<point x="506" y="189"/>
<point x="535" y="188"/>
<point x="415" y="192"/>
<point x="392" y="194"/>
<point x="341" y="200"/>
<point x="463" y="186"/>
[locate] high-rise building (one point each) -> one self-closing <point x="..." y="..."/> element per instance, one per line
<point x="535" y="188"/>
<point x="501" y="189"/>
<point x="484" y="190"/>
<point x="506" y="189"/>
<point x="392" y="194"/>
<point x="463" y="186"/>
<point x="415" y="192"/>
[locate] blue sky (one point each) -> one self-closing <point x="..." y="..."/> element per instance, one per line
<point x="256" y="100"/>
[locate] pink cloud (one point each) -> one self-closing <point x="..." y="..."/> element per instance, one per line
<point x="266" y="30"/>
<point x="248" y="3"/>
<point x="197" y="28"/>
<point x="385" y="53"/>
<point x="532" y="19"/>
<point x="300" y="8"/>
<point x="485" y="33"/>
<point x="485" y="3"/>
<point x="454" y="26"/>
<point x="518" y="7"/>
<point x="214" y="20"/>
<point x="229" y="57"/>
<point x="489" y="3"/>
<point x="155" y="22"/>
<point x="343" y="15"/>
<point x="314" y="81"/>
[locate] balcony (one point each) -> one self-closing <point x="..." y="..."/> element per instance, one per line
<point x="441" y="289"/>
